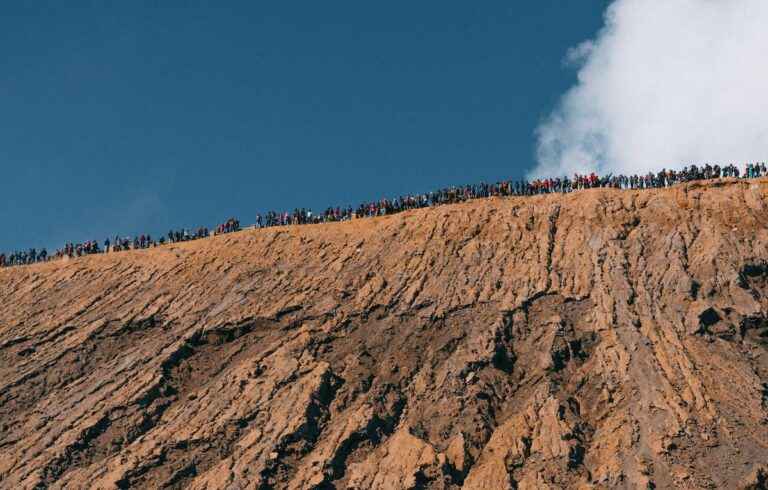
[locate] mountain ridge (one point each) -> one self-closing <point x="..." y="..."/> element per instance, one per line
<point x="597" y="339"/>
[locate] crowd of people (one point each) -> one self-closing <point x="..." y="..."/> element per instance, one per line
<point x="230" y="226"/>
<point x="304" y="216"/>
<point x="664" y="178"/>
<point x="23" y="258"/>
<point x="117" y="244"/>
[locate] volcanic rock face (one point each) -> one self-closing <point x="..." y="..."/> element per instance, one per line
<point x="600" y="339"/>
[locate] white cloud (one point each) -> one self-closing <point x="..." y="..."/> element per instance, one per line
<point x="664" y="84"/>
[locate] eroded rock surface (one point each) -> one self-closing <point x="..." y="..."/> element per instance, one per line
<point x="597" y="340"/>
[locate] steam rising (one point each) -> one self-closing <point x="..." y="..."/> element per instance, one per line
<point x="664" y="84"/>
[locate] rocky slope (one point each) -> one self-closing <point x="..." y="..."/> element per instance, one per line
<point x="601" y="339"/>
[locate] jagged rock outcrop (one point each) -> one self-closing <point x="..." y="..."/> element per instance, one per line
<point x="596" y="340"/>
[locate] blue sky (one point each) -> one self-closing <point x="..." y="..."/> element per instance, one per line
<point x="130" y="117"/>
